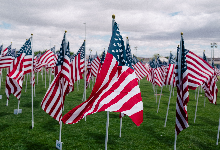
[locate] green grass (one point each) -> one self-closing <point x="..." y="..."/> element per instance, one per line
<point x="16" y="132"/>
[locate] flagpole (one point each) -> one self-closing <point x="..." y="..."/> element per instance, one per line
<point x="107" y="124"/>
<point x="218" y="132"/>
<point x="159" y="99"/>
<point x="26" y="82"/>
<point x="85" y="68"/>
<point x="168" y="107"/>
<point x="45" y="76"/>
<point x="42" y="73"/>
<point x="196" y="105"/>
<point x="37" y="78"/>
<point x="156" y="93"/>
<point x="32" y="81"/>
<point x="175" y="140"/>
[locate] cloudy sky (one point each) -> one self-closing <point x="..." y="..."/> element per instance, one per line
<point x="153" y="26"/>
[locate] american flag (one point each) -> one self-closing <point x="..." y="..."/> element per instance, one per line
<point x="7" y="59"/>
<point x="194" y="72"/>
<point x="5" y="51"/>
<point x="158" y="74"/>
<point x="53" y="100"/>
<point x="75" y="68"/>
<point x="47" y="60"/>
<point x="21" y="65"/>
<point x="81" y="51"/>
<point x="204" y="57"/>
<point x="1" y="47"/>
<point x="169" y="78"/>
<point x="53" y="49"/>
<point x="36" y="58"/>
<point x="128" y="52"/>
<point x="182" y="89"/>
<point x="88" y="74"/>
<point x="23" y="62"/>
<point x="95" y="66"/>
<point x="101" y="61"/>
<point x="116" y="88"/>
<point x="139" y="69"/>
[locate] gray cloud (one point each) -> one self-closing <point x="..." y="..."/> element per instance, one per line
<point x="152" y="26"/>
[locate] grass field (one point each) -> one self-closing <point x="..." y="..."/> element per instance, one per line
<point x="16" y="132"/>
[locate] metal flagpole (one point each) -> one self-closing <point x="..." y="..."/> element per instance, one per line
<point x="26" y="83"/>
<point x="159" y="99"/>
<point x="85" y="68"/>
<point x="196" y="105"/>
<point x="45" y="76"/>
<point x="42" y="73"/>
<point x="32" y="81"/>
<point x="156" y="93"/>
<point x="168" y="107"/>
<point x="218" y="132"/>
<point x="107" y="124"/>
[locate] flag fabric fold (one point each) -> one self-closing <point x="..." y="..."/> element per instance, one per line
<point x="116" y="88"/>
<point x="62" y="84"/>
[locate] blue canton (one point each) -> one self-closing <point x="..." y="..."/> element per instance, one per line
<point x="82" y="51"/>
<point x="103" y="58"/>
<point x="9" y="51"/>
<point x="26" y="48"/>
<point x="64" y="47"/>
<point x="117" y="48"/>
<point x="171" y="59"/>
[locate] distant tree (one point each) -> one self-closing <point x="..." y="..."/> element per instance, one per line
<point x="155" y="56"/>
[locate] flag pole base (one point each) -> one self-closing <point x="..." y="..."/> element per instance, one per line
<point x="59" y="145"/>
<point x="17" y="111"/>
<point x="6" y="103"/>
<point x="32" y="124"/>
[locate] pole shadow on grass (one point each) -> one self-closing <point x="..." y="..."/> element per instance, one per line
<point x="50" y="125"/>
<point x="4" y="126"/>
<point x="29" y="104"/>
<point x="166" y="139"/>
<point x="3" y="114"/>
<point x="207" y="121"/>
<point x="33" y="145"/>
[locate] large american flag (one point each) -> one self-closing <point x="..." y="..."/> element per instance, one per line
<point x="7" y="59"/>
<point x="116" y="88"/>
<point x="21" y="65"/>
<point x="53" y="100"/>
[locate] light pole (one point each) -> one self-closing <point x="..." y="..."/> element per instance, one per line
<point x="136" y="49"/>
<point x="90" y="51"/>
<point x="213" y="45"/>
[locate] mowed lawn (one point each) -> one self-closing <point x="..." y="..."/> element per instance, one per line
<point x="16" y="131"/>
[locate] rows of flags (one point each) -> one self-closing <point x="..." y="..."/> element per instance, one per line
<point x="117" y="74"/>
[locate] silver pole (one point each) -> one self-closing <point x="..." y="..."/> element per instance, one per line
<point x="32" y="82"/>
<point x="85" y="69"/>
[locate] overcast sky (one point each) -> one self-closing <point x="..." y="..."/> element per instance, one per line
<point x="154" y="26"/>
